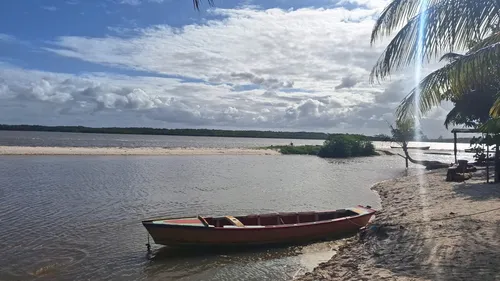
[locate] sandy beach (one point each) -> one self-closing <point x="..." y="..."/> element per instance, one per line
<point x="42" y="150"/>
<point x="435" y="230"/>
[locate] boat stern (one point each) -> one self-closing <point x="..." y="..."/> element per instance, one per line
<point x="363" y="210"/>
<point x="168" y="231"/>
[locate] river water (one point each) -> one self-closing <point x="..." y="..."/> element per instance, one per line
<point x="78" y="218"/>
<point x="109" y="140"/>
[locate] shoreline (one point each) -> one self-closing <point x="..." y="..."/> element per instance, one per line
<point x="434" y="231"/>
<point x="143" y="151"/>
<point x="135" y="151"/>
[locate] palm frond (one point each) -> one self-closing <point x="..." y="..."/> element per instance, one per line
<point x="197" y="3"/>
<point x="472" y="108"/>
<point x="451" y="57"/>
<point x="452" y="116"/>
<point x="395" y="15"/>
<point x="491" y="39"/>
<point x="495" y="109"/>
<point x="447" y="25"/>
<point x="492" y="126"/>
<point x="431" y="91"/>
<point x="475" y="68"/>
<point x="460" y="76"/>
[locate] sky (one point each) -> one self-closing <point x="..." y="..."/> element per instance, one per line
<point x="295" y="65"/>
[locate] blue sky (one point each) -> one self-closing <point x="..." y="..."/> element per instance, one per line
<point x="36" y="23"/>
<point x="281" y="65"/>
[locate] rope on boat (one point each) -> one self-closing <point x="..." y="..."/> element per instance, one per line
<point x="356" y="224"/>
<point x="148" y="245"/>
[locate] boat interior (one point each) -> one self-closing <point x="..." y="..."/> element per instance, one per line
<point x="274" y="219"/>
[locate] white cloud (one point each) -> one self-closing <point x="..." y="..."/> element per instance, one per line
<point x="372" y="4"/>
<point x="347" y="82"/>
<point x="303" y="69"/>
<point x="50" y="8"/>
<point x="139" y="2"/>
<point x="300" y="46"/>
<point x="168" y="102"/>
<point x="6" y="38"/>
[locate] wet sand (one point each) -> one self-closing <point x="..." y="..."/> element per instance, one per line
<point x="42" y="150"/>
<point x="436" y="230"/>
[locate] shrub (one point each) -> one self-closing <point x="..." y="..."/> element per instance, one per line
<point x="344" y="146"/>
<point x="302" y="150"/>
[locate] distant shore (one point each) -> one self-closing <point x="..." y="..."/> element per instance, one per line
<point x="197" y="132"/>
<point x="43" y="150"/>
<point x="435" y="231"/>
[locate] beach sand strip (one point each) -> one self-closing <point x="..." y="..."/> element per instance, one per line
<point x="428" y="229"/>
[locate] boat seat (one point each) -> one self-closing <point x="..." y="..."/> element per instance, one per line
<point x="203" y="221"/>
<point x="234" y="221"/>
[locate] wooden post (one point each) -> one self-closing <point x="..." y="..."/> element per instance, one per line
<point x="487" y="162"/>
<point x="455" y="146"/>
<point x="497" y="165"/>
<point x="405" y="150"/>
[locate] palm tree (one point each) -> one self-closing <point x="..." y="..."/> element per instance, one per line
<point x="431" y="27"/>
<point x="472" y="104"/>
<point x="471" y="109"/>
<point x="402" y="133"/>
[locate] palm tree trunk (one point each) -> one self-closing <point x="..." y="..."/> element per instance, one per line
<point x="407" y="155"/>
<point x="429" y="165"/>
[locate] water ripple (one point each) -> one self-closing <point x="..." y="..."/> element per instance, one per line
<point x="70" y="218"/>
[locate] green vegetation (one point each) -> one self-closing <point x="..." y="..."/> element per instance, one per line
<point x="182" y="132"/>
<point x="346" y="146"/>
<point x="336" y="146"/>
<point x="300" y="150"/>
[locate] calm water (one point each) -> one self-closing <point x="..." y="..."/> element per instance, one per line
<point x="109" y="140"/>
<point x="78" y="218"/>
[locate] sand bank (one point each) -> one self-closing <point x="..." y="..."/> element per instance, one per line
<point x="26" y="150"/>
<point x="433" y="231"/>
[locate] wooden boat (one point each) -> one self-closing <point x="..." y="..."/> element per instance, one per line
<point x="414" y="147"/>
<point x="260" y="229"/>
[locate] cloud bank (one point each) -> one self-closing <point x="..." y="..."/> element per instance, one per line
<point x="304" y="69"/>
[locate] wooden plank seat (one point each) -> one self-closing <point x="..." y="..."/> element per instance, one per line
<point x="235" y="221"/>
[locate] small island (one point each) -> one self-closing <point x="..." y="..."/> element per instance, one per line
<point x="335" y="146"/>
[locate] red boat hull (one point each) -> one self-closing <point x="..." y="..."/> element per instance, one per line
<point x="193" y="234"/>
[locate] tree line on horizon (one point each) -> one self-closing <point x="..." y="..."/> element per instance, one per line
<point x="198" y="132"/>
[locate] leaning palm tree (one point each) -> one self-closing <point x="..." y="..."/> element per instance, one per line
<point x="427" y="29"/>
<point x="404" y="132"/>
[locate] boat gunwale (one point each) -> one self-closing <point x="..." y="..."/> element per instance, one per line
<point x="150" y="223"/>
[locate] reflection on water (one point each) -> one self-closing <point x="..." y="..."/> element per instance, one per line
<point x="78" y="218"/>
<point x="277" y="263"/>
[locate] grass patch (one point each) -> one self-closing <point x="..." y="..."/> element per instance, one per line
<point x="296" y="150"/>
<point x="300" y="150"/>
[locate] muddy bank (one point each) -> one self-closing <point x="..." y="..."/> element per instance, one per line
<point x="428" y="229"/>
